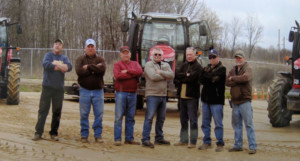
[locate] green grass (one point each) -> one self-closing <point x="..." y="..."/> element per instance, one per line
<point x="30" y="88"/>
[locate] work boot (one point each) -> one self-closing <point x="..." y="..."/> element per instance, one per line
<point x="117" y="143"/>
<point x="219" y="148"/>
<point x="192" y="146"/>
<point x="252" y="151"/>
<point x="36" y="137"/>
<point x="180" y="144"/>
<point x="84" y="140"/>
<point x="54" y="137"/>
<point x="235" y="149"/>
<point x="148" y="144"/>
<point x="132" y="142"/>
<point x="204" y="146"/>
<point x="99" y="140"/>
<point x="162" y="142"/>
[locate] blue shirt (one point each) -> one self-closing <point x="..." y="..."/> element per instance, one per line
<point x="52" y="78"/>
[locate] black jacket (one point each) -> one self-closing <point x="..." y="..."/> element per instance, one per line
<point x="213" y="80"/>
<point x="192" y="82"/>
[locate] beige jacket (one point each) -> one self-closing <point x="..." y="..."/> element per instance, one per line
<point x="156" y="84"/>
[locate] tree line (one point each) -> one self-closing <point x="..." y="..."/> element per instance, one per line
<point x="76" y="20"/>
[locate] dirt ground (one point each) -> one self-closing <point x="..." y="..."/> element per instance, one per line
<point x="17" y="128"/>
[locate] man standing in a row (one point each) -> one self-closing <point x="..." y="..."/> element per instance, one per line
<point x="90" y="69"/>
<point x="189" y="91"/>
<point x="126" y="73"/>
<point x="156" y="73"/>
<point x="55" y="66"/>
<point x="213" y="96"/>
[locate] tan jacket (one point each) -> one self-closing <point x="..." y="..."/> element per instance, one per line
<point x="156" y="84"/>
<point x="240" y="83"/>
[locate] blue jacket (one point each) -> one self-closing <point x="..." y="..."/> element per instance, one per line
<point x="54" y="79"/>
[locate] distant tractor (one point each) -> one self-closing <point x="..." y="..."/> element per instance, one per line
<point x="172" y="33"/>
<point x="9" y="65"/>
<point x="284" y="96"/>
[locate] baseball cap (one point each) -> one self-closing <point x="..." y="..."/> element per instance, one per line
<point x="59" y="40"/>
<point x="239" y="53"/>
<point x="213" y="52"/>
<point x="124" y="48"/>
<point x="90" y="41"/>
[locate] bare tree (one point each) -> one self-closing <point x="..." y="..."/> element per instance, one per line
<point x="236" y="32"/>
<point x="253" y="32"/>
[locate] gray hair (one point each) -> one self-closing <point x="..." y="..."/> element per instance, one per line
<point x="191" y="48"/>
<point x="157" y="49"/>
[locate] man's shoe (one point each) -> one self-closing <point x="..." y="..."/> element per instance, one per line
<point x="204" y="146"/>
<point x="192" y="146"/>
<point x="99" y="140"/>
<point x="148" y="144"/>
<point x="36" y="137"/>
<point x="84" y="140"/>
<point x="252" y="151"/>
<point x="54" y="137"/>
<point x="219" y="148"/>
<point x="235" y="149"/>
<point x="162" y="142"/>
<point x="117" y="143"/>
<point x="132" y="142"/>
<point x="180" y="144"/>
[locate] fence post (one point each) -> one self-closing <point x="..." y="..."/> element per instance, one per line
<point x="31" y="53"/>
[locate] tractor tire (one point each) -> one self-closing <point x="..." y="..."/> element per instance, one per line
<point x="139" y="102"/>
<point x="279" y="115"/>
<point x="13" y="85"/>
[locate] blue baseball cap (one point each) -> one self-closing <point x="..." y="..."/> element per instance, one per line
<point x="90" y="41"/>
<point x="213" y="52"/>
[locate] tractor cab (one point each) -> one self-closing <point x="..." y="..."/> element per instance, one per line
<point x="172" y="33"/>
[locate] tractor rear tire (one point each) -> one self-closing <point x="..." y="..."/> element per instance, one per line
<point x="13" y="85"/>
<point x="139" y="102"/>
<point x="279" y="115"/>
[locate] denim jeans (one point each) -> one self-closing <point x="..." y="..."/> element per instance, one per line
<point x="125" y="103"/>
<point x="189" y="111"/>
<point x="155" y="104"/>
<point x="214" y="111"/>
<point x="243" y="112"/>
<point x="48" y="96"/>
<point x="87" y="99"/>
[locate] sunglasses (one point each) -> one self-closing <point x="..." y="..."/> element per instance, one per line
<point x="157" y="54"/>
<point x="212" y="57"/>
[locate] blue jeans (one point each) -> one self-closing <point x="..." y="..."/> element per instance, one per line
<point x="125" y="103"/>
<point x="155" y="104"/>
<point x="243" y="112"/>
<point x="189" y="111"/>
<point x="87" y="99"/>
<point x="214" y="111"/>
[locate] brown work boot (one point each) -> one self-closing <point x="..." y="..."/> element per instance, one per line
<point x="252" y="151"/>
<point x="204" y="146"/>
<point x="36" y="137"/>
<point x="54" y="137"/>
<point x="192" y="146"/>
<point x="84" y="140"/>
<point x="219" y="148"/>
<point x="148" y="144"/>
<point x="99" y="140"/>
<point x="180" y="144"/>
<point x="235" y="149"/>
<point x="117" y="143"/>
<point x="132" y="142"/>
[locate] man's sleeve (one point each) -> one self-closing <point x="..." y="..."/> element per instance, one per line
<point x="47" y="63"/>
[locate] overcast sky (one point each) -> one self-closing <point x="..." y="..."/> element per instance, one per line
<point x="272" y="14"/>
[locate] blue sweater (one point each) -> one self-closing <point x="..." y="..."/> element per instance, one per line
<point x="54" y="79"/>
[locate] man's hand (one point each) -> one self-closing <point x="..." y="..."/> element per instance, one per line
<point x="157" y="71"/>
<point x="124" y="71"/>
<point x="188" y="74"/>
<point x="85" y="67"/>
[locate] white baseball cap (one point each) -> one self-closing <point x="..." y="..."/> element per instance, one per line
<point x="90" y="41"/>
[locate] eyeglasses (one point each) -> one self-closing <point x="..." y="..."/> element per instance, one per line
<point x="157" y="54"/>
<point x="212" y="57"/>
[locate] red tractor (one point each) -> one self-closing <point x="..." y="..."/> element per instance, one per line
<point x="9" y="65"/>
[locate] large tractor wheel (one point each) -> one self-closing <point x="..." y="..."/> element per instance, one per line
<point x="13" y="85"/>
<point x="139" y="102"/>
<point x="277" y="105"/>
